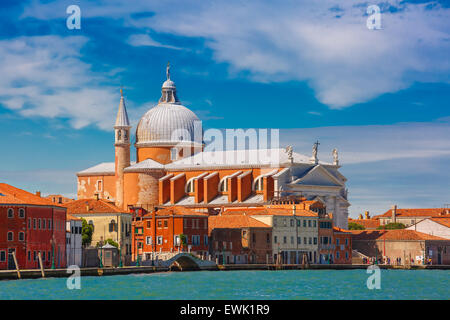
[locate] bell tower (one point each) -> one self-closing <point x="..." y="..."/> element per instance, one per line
<point x="122" y="149"/>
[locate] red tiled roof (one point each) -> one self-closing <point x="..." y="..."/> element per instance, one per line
<point x="270" y="211"/>
<point x="177" y="211"/>
<point x="234" y="221"/>
<point x="13" y="195"/>
<point x="426" y="212"/>
<point x="91" y="206"/>
<point x="366" y="223"/>
<point x="397" y="234"/>
<point x="337" y="229"/>
<point x="441" y="220"/>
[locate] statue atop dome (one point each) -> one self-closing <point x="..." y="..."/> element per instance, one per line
<point x="168" y="70"/>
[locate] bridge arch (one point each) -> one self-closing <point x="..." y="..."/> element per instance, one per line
<point x="183" y="263"/>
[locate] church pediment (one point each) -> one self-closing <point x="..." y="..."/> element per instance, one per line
<point x="318" y="176"/>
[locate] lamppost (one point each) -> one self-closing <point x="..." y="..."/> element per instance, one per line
<point x="120" y="256"/>
<point x="101" y="252"/>
<point x="52" y="241"/>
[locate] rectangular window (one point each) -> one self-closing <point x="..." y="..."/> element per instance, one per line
<point x="29" y="255"/>
<point x="43" y="224"/>
<point x="34" y="223"/>
<point x="315" y="240"/>
<point x="309" y="223"/>
<point x="21" y="236"/>
<point x="205" y="238"/>
<point x="39" y="223"/>
<point x="268" y="238"/>
<point x="284" y="239"/>
<point x="292" y="222"/>
<point x="299" y="240"/>
<point x="299" y="222"/>
<point x="49" y="224"/>
<point x="34" y="255"/>
<point x="337" y="242"/>
<point x="173" y="154"/>
<point x="346" y="241"/>
<point x="43" y="256"/>
<point x="159" y="240"/>
<point x="292" y="240"/>
<point x="149" y="223"/>
<point x="315" y="223"/>
<point x="29" y="223"/>
<point x="165" y="223"/>
<point x="10" y="236"/>
<point x="148" y="240"/>
<point x="275" y="239"/>
<point x="310" y="240"/>
<point x="304" y="223"/>
<point x="2" y="256"/>
<point x="305" y="241"/>
<point x="224" y="245"/>
<point x="159" y="223"/>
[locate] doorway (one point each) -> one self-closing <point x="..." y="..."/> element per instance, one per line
<point x="11" y="263"/>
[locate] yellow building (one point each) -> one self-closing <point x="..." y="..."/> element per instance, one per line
<point x="108" y="221"/>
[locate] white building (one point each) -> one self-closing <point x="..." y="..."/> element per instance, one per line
<point x="437" y="226"/>
<point x="74" y="248"/>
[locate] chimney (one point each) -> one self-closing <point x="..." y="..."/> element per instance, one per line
<point x="360" y="216"/>
<point x="293" y="210"/>
<point x="394" y="213"/>
<point x="366" y="214"/>
<point x="87" y="208"/>
<point x="38" y="193"/>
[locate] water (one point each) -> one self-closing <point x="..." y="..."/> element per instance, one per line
<point x="289" y="284"/>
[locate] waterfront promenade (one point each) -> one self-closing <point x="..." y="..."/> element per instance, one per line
<point x="61" y="273"/>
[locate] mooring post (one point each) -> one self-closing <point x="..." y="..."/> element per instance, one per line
<point x="41" y="265"/>
<point x="17" y="265"/>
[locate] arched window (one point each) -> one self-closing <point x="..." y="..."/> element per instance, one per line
<point x="21" y="213"/>
<point x="112" y="226"/>
<point x="125" y="135"/>
<point x="258" y="184"/>
<point x="10" y="213"/>
<point x="190" y="186"/>
<point x="10" y="236"/>
<point x="223" y="184"/>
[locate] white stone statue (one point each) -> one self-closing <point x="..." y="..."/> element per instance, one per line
<point x="289" y="152"/>
<point x="314" y="157"/>
<point x="335" y="157"/>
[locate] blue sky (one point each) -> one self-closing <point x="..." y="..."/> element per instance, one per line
<point x="310" y="68"/>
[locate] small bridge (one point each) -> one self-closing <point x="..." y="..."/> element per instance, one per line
<point x="182" y="261"/>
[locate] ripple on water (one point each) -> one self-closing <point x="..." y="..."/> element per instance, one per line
<point x="241" y="285"/>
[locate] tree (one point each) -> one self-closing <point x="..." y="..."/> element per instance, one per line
<point x="183" y="240"/>
<point x="86" y="233"/>
<point x="110" y="241"/>
<point x="355" y="226"/>
<point x="391" y="226"/>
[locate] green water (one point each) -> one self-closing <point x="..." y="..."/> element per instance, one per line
<point x="291" y="284"/>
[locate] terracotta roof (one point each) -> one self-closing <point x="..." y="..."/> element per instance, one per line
<point x="234" y="221"/>
<point x="177" y="211"/>
<point x="337" y="229"/>
<point x="13" y="195"/>
<point x="270" y="211"/>
<point x="366" y="223"/>
<point x="426" y="212"/>
<point x="442" y="220"/>
<point x="70" y="217"/>
<point x="398" y="234"/>
<point x="91" y="206"/>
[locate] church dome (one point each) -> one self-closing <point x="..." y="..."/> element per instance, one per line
<point x="168" y="122"/>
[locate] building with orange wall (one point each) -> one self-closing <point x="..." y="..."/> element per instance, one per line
<point x="342" y="246"/>
<point x="163" y="231"/>
<point x="173" y="168"/>
<point x="239" y="239"/>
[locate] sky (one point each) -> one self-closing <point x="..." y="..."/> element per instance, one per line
<point x="312" y="69"/>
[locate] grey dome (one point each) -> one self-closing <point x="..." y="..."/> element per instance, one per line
<point x="159" y="123"/>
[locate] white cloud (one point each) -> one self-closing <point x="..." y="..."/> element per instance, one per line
<point x="325" y="42"/>
<point x="372" y="143"/>
<point x="44" y="76"/>
<point x="137" y="40"/>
